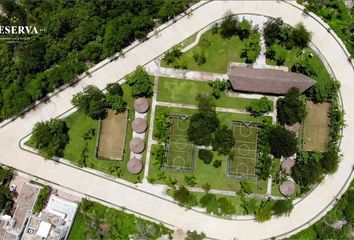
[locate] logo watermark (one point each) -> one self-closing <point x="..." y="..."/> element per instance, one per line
<point x="18" y="33"/>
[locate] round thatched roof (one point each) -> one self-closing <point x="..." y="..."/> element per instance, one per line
<point x="134" y="165"/>
<point x="287" y="188"/>
<point x="293" y="128"/>
<point x="287" y="164"/>
<point x="137" y="145"/>
<point x="141" y="105"/>
<point x="139" y="125"/>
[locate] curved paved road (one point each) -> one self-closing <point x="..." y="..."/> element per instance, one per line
<point x="163" y="210"/>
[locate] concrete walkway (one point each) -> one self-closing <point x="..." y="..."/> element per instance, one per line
<point x="305" y="212"/>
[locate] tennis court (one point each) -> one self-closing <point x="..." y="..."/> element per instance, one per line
<point x="243" y="164"/>
<point x="179" y="152"/>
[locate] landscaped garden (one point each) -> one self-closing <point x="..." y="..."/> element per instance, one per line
<point x="96" y="221"/>
<point x="234" y="40"/>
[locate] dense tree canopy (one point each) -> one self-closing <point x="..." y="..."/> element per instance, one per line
<point x="140" y="83"/>
<point x="260" y="106"/>
<point x="91" y="101"/>
<point x="223" y="140"/>
<point x="203" y="123"/>
<point x="282" y="142"/>
<point x="50" y="137"/>
<point x="77" y="35"/>
<point x="292" y="108"/>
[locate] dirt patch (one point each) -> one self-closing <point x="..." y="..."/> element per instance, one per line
<point x="112" y="135"/>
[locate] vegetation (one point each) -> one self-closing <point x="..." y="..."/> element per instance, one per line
<point x="184" y="197"/>
<point x="282" y="207"/>
<point x="264" y="160"/>
<point x="338" y="16"/>
<point x="218" y="86"/>
<point x="91" y="101"/>
<point x="6" y="203"/>
<point x="204" y="123"/>
<point x="205" y="155"/>
<point x="50" y="137"/>
<point x="162" y="127"/>
<point x="223" y="140"/>
<point x="77" y="35"/>
<point x="292" y="108"/>
<point x="282" y="142"/>
<point x="114" y="97"/>
<point x="95" y="221"/>
<point x="264" y="212"/>
<point x="195" y="235"/>
<point x="260" y="106"/>
<point x="41" y="199"/>
<point x="140" y="83"/>
<point x="252" y="48"/>
<point x="337" y="224"/>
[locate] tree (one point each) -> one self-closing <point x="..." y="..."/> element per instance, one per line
<point x="282" y="142"/>
<point x="195" y="235"/>
<point x="301" y="36"/>
<point x="218" y="86"/>
<point x="291" y="108"/>
<point x="115" y="102"/>
<point x="199" y="56"/>
<point x="51" y="137"/>
<point x="206" y="187"/>
<point x="228" y="26"/>
<point x="264" y="212"/>
<point x="203" y="123"/>
<point x="115" y="89"/>
<point x="210" y="203"/>
<point x="91" y="101"/>
<point x="260" y="106"/>
<point x="244" y="29"/>
<point x="5" y="198"/>
<point x="172" y="55"/>
<point x="226" y="207"/>
<point x="304" y="67"/>
<point x="307" y="173"/>
<point x="252" y="48"/>
<point x="205" y="155"/>
<point x="277" y="53"/>
<point x="184" y="197"/>
<point x="162" y="126"/>
<point x="223" y="140"/>
<point x="140" y="83"/>
<point x="282" y="207"/>
<point x="274" y="31"/>
<point x="217" y="163"/>
<point x="190" y="180"/>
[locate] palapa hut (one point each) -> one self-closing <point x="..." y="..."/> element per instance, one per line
<point x="139" y="125"/>
<point x="141" y="105"/>
<point x="287" y="188"/>
<point x="137" y="145"/>
<point x="134" y="165"/>
<point x="287" y="165"/>
<point x="267" y="81"/>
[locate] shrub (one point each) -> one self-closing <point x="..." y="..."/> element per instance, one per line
<point x="184" y="197"/>
<point x="282" y="207"/>
<point x="264" y="212"/>
<point x="195" y="235"/>
<point x="260" y="106"/>
<point x="162" y="125"/>
<point x="115" y="89"/>
<point x="218" y="86"/>
<point x="190" y="180"/>
<point x="139" y="82"/>
<point x="217" y="163"/>
<point x="41" y="199"/>
<point x="199" y="56"/>
<point x="205" y="155"/>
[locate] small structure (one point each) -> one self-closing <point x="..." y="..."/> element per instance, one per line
<point x="137" y="145"/>
<point x="139" y="125"/>
<point x="267" y="81"/>
<point x="293" y="128"/>
<point x="287" y="165"/>
<point x="135" y="165"/>
<point x="287" y="188"/>
<point x="141" y="105"/>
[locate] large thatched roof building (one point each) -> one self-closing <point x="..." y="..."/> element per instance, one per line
<point x="268" y="81"/>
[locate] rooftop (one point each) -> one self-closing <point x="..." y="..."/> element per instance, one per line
<point x="268" y="81"/>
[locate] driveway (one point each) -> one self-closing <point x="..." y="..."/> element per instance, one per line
<point x="102" y="189"/>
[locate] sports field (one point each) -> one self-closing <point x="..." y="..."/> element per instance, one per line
<point x="112" y="136"/>
<point x="315" y="130"/>
<point x="243" y="165"/>
<point x="180" y="152"/>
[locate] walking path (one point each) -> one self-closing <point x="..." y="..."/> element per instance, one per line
<point x="305" y="212"/>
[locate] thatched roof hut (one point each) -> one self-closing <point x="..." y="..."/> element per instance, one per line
<point x="269" y="81"/>
<point x="137" y="145"/>
<point x="293" y="128"/>
<point x="139" y="125"/>
<point x="141" y="105"/>
<point x="287" y="165"/>
<point x="287" y="188"/>
<point x="134" y="165"/>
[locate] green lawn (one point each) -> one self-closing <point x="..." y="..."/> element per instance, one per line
<point x="219" y="52"/>
<point x="94" y="218"/>
<point x="185" y="91"/>
<point x="294" y="55"/>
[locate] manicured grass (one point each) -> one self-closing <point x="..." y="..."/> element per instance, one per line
<point x="219" y="52"/>
<point x="185" y="91"/>
<point x="206" y="173"/>
<point x="294" y="55"/>
<point x="94" y="218"/>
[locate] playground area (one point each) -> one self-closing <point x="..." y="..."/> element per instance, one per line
<point x="243" y="163"/>
<point x="179" y="152"/>
<point x="112" y="133"/>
